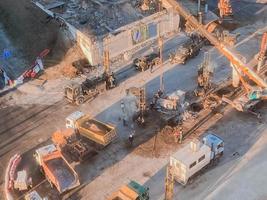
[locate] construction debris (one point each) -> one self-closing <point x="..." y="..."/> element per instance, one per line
<point x="169" y="102"/>
<point x="22" y="182"/>
<point x="10" y="175"/>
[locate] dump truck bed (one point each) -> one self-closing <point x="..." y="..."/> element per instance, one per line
<point x="95" y="130"/>
<point x="59" y="172"/>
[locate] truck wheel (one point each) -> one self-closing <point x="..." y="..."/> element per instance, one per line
<point x="156" y="62"/>
<point x="80" y="100"/>
<point x="189" y="181"/>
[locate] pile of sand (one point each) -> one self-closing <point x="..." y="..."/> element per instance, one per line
<point x="65" y="67"/>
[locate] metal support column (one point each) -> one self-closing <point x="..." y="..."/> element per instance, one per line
<point x="169" y="184"/>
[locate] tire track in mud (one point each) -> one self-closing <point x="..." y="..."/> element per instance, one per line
<point x="19" y="126"/>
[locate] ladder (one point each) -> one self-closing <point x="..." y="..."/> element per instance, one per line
<point x="142" y="101"/>
<point x="169" y="184"/>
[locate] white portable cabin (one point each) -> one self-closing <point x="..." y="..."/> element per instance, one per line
<point x="189" y="160"/>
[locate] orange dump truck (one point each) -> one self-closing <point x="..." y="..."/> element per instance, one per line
<point x="56" y="168"/>
<point x="90" y="128"/>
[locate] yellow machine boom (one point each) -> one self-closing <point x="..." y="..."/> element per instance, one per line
<point x="213" y="40"/>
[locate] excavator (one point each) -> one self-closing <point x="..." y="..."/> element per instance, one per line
<point x="254" y="92"/>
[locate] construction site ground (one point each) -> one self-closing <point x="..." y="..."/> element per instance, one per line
<point x="31" y="113"/>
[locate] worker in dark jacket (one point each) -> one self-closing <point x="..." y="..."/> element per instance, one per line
<point x="131" y="138"/>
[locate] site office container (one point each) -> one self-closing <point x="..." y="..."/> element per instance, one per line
<point x="59" y="172"/>
<point x="189" y="160"/>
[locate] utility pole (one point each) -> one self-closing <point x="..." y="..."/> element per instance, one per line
<point x="106" y="55"/>
<point x="160" y="43"/>
<point x="161" y="62"/>
<point x="142" y="104"/>
<point x="263" y="52"/>
<point x="106" y="62"/>
<point x="109" y="77"/>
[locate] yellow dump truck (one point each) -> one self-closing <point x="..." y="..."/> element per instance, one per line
<point x="90" y="128"/>
<point x="132" y="191"/>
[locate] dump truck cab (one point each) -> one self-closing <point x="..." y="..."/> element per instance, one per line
<point x="131" y="191"/>
<point x="215" y="143"/>
<point x="87" y="91"/>
<point x="72" y="118"/>
<point x="43" y="151"/>
<point x="72" y="92"/>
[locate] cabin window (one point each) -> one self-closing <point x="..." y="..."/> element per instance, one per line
<point x="201" y="158"/>
<point x="192" y="165"/>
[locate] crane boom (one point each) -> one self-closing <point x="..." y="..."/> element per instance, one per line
<point x="213" y="40"/>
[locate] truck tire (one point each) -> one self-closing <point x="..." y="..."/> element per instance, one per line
<point x="156" y="61"/>
<point x="80" y="100"/>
